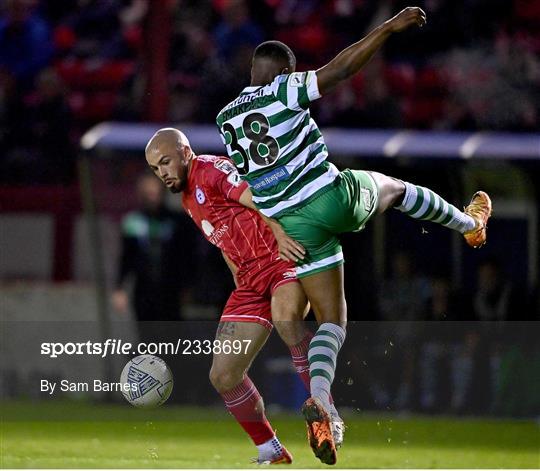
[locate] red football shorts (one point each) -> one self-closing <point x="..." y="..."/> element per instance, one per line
<point x="251" y="300"/>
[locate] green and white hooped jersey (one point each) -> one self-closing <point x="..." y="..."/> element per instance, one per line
<point x="275" y="144"/>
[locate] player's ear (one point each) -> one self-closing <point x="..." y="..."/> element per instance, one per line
<point x="284" y="71"/>
<point x="184" y="153"/>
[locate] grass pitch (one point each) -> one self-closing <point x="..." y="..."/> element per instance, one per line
<point x="81" y="435"/>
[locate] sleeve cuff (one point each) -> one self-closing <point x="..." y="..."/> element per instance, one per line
<point x="313" y="86"/>
<point x="236" y="191"/>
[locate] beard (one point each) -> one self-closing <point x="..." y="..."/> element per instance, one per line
<point x="178" y="187"/>
<point x="180" y="180"/>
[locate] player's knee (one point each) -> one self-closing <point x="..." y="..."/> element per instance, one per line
<point x="289" y="303"/>
<point x="287" y="313"/>
<point x="224" y="379"/>
<point x="332" y="311"/>
<point x="397" y="191"/>
<point x="291" y="333"/>
<point x="391" y="190"/>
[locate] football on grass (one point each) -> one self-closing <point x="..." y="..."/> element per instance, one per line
<point x="146" y="381"/>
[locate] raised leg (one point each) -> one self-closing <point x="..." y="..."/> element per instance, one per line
<point x="422" y="203"/>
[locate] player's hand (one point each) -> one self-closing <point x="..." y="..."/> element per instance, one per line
<point x="289" y="249"/>
<point x="406" y="18"/>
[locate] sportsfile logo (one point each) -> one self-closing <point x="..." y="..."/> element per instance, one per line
<point x="119" y="347"/>
<point x="108" y="347"/>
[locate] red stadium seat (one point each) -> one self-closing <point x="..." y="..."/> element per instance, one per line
<point x="80" y="75"/>
<point x="400" y="79"/>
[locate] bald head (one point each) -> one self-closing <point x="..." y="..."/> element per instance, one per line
<point x="166" y="137"/>
<point x="169" y="154"/>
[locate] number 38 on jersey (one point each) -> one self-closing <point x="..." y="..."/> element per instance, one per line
<point x="257" y="146"/>
<point x="270" y="136"/>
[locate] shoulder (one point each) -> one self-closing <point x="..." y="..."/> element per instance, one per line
<point x="211" y="168"/>
<point x="207" y="164"/>
<point x="204" y="160"/>
<point x="295" y="79"/>
<point x="214" y="163"/>
<point x="224" y="165"/>
<point x="279" y="81"/>
<point x="297" y="90"/>
<point x="222" y="178"/>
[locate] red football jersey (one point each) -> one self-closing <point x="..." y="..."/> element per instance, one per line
<point x="211" y="198"/>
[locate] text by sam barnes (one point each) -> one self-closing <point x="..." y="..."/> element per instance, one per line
<point x="85" y="386"/>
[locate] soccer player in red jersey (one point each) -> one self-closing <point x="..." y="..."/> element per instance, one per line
<point x="220" y="204"/>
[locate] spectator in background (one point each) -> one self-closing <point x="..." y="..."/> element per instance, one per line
<point x="161" y="274"/>
<point x="49" y="119"/>
<point x="36" y="131"/>
<point x="151" y="236"/>
<point x="402" y="298"/>
<point x="236" y="29"/>
<point x="97" y="29"/>
<point x="456" y="116"/>
<point x="25" y="42"/>
<point x="495" y="301"/>
<point x="235" y="37"/>
<point x="372" y="106"/>
<point x="446" y="357"/>
<point x="492" y="301"/>
<point x="12" y="127"/>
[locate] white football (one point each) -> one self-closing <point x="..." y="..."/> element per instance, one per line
<point x="146" y="381"/>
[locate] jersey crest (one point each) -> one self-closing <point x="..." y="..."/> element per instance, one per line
<point x="200" y="196"/>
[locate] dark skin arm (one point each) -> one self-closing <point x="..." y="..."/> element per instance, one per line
<point x="289" y="249"/>
<point x="349" y="61"/>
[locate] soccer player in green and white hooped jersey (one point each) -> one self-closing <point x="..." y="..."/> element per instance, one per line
<point x="279" y="150"/>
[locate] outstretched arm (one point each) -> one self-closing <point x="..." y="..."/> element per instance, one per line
<point x="349" y="61"/>
<point x="289" y="249"/>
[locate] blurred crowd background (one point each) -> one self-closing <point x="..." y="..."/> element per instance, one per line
<point x="65" y="66"/>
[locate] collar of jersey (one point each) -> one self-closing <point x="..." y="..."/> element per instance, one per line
<point x="247" y="90"/>
<point x="191" y="174"/>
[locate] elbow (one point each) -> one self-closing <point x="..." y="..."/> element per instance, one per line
<point x="346" y="71"/>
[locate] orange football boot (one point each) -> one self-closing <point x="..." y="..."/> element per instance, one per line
<point x="480" y="210"/>
<point x="319" y="431"/>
